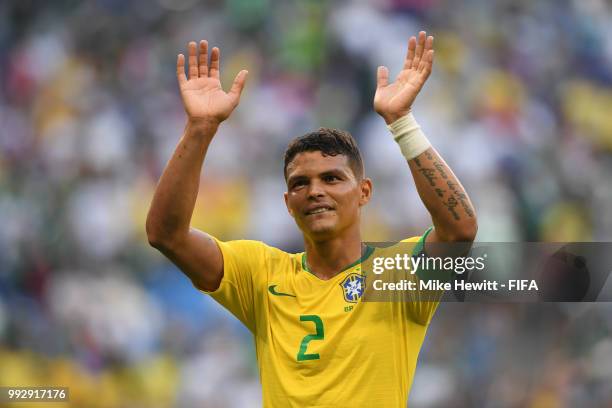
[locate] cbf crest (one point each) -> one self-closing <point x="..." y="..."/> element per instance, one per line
<point x="352" y="287"/>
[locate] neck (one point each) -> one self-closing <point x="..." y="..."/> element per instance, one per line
<point x="327" y="258"/>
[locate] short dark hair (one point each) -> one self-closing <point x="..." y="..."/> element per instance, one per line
<point x="330" y="142"/>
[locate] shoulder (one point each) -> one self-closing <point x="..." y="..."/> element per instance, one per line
<point x="252" y="251"/>
<point x="418" y="237"/>
<point x="418" y="241"/>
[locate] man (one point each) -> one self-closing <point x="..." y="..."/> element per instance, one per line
<point x="317" y="344"/>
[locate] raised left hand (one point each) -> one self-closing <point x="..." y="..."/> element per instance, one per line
<point x="392" y="101"/>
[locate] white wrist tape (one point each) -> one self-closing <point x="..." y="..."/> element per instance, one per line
<point x="409" y="136"/>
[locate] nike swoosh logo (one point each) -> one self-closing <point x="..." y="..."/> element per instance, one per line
<point x="272" y="290"/>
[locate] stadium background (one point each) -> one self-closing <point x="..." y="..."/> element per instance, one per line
<point x="519" y="104"/>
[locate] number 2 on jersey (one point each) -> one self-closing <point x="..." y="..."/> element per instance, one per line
<point x="319" y="335"/>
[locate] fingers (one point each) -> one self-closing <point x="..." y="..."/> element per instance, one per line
<point x="180" y="69"/>
<point x="427" y="60"/>
<point x="193" y="60"/>
<point x="215" y="56"/>
<point x="382" y="77"/>
<point x="418" y="53"/>
<point x="426" y="63"/>
<point x="203" y="68"/>
<point x="411" y="50"/>
<point x="238" y="85"/>
<point x="198" y="66"/>
<point x="429" y="43"/>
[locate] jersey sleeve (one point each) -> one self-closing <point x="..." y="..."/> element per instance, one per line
<point x="244" y="271"/>
<point x="422" y="304"/>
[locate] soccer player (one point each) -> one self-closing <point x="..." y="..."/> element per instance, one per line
<point x="317" y="344"/>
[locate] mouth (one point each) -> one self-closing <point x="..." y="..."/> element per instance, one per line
<point x="319" y="210"/>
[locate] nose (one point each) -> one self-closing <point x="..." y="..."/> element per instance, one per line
<point x="316" y="189"/>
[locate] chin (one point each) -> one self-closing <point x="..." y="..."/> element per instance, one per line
<point x="320" y="230"/>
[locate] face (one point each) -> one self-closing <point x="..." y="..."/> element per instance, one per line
<point x="323" y="194"/>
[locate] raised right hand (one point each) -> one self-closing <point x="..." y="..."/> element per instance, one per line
<point x="203" y="98"/>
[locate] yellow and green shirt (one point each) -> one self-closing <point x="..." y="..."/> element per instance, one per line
<point x="317" y="344"/>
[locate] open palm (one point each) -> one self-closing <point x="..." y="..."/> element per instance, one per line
<point x="392" y="101"/>
<point x="203" y="97"/>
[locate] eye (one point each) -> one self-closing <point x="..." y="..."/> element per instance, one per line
<point x="330" y="178"/>
<point x="298" y="184"/>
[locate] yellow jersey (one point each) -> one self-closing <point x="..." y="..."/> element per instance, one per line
<point x="317" y="344"/>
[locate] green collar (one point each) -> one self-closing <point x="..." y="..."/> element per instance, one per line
<point x="365" y="256"/>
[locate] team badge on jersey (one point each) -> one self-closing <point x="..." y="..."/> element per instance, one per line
<point x="352" y="287"/>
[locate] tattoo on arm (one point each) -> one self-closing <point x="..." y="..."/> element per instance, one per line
<point x="463" y="200"/>
<point x="451" y="204"/>
<point x="429" y="174"/>
<point x="440" y="167"/>
<point x="448" y="191"/>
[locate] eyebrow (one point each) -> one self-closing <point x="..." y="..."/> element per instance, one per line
<point x="293" y="179"/>
<point x="330" y="172"/>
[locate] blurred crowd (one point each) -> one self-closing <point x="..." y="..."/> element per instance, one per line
<point x="519" y="105"/>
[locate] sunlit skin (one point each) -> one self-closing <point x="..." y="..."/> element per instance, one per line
<point x="316" y="182"/>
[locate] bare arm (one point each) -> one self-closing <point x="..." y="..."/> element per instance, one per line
<point x="444" y="197"/>
<point x="168" y="230"/>
<point x="451" y="210"/>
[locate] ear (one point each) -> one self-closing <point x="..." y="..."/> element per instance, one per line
<point x="286" y="195"/>
<point x="366" y="191"/>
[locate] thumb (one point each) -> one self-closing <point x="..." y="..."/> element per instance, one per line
<point x="238" y="84"/>
<point x="382" y="76"/>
